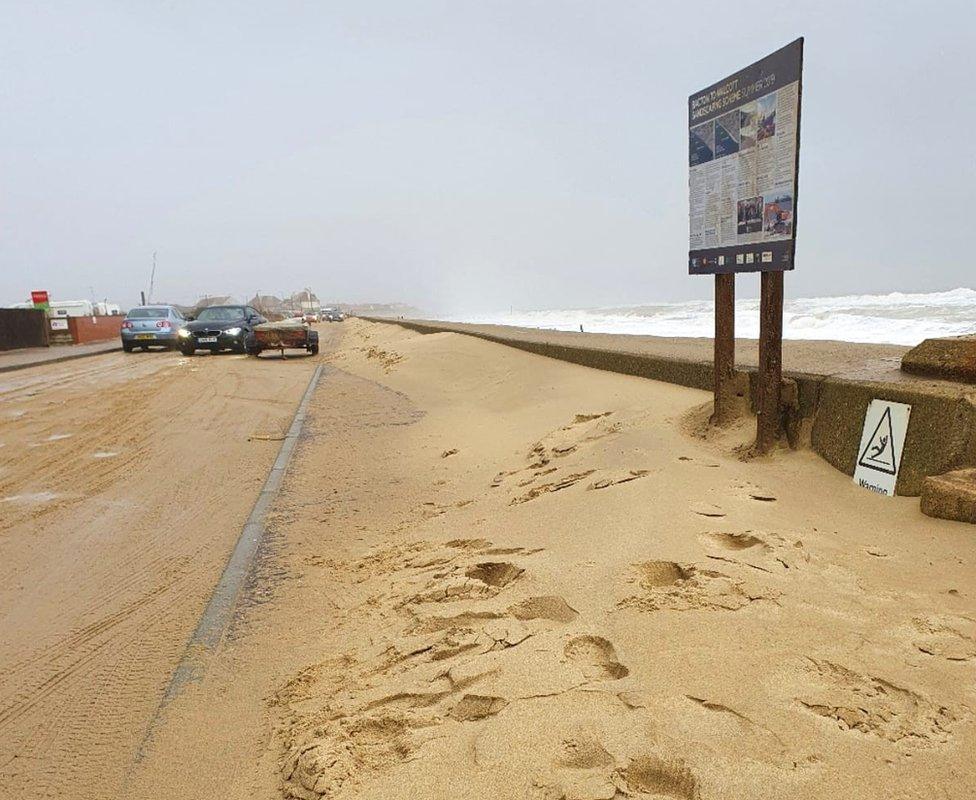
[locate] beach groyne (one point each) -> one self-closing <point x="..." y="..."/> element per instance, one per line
<point x="828" y="386"/>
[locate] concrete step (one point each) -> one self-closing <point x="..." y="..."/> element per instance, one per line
<point x="60" y="337"/>
<point x="951" y="359"/>
<point x="951" y="496"/>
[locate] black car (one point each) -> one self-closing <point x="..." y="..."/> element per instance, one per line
<point x="219" y="328"/>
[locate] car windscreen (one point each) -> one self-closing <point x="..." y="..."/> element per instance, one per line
<point x="221" y="314"/>
<point x="148" y="313"/>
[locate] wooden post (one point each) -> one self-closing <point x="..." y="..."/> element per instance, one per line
<point x="770" y="360"/>
<point x="724" y="354"/>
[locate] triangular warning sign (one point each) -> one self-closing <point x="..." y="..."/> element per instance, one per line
<point x="879" y="454"/>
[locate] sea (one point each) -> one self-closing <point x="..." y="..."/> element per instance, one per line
<point x="896" y="318"/>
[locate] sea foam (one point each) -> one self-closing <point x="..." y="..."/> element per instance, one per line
<point x="896" y="318"/>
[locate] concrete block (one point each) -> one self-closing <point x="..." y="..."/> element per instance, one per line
<point x="951" y="496"/>
<point x="951" y="359"/>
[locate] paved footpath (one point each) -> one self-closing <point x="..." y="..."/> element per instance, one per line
<point x="36" y="356"/>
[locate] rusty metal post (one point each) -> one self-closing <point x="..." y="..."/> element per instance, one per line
<point x="724" y="354"/>
<point x="770" y="360"/>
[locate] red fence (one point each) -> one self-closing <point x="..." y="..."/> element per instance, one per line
<point x="94" y="329"/>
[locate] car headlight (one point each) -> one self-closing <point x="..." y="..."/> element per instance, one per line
<point x="182" y="333"/>
<point x="232" y="331"/>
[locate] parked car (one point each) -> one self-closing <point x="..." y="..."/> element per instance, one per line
<point x="151" y="326"/>
<point x="311" y="316"/>
<point x="220" y="328"/>
<point x="332" y="315"/>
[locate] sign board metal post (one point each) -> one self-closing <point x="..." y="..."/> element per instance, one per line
<point x="770" y="360"/>
<point x="724" y="354"/>
<point x="743" y="162"/>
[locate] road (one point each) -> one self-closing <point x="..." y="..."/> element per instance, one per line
<point x="124" y="482"/>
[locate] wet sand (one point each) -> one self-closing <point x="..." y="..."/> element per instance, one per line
<point x="491" y="574"/>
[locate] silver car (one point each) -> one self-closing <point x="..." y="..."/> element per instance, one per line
<point x="151" y="326"/>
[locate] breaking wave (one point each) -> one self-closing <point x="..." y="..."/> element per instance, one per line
<point x="896" y="318"/>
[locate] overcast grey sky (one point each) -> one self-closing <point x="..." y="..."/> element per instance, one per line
<point x="462" y="155"/>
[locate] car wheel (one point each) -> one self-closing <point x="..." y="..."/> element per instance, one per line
<point x="251" y="346"/>
<point x="187" y="350"/>
<point x="127" y="347"/>
<point x="314" y="349"/>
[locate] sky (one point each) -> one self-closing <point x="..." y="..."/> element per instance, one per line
<point x="461" y="156"/>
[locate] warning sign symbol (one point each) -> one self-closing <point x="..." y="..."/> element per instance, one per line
<point x="882" y="446"/>
<point x="879" y="454"/>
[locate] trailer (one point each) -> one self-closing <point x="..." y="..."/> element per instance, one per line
<point x="290" y="334"/>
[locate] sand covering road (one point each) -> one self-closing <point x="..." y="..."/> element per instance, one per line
<point x="124" y="482"/>
<point x="497" y="575"/>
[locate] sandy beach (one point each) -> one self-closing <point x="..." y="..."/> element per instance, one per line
<point x="491" y="574"/>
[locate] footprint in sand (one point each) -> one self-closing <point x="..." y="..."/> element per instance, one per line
<point x="681" y="587"/>
<point x="548" y="607"/>
<point x="583" y="751"/>
<point x="951" y="638"/>
<point x="494" y="573"/>
<point x="664" y="573"/>
<point x="660" y="777"/>
<point x="872" y="705"/>
<point x="481" y="580"/>
<point x="477" y="706"/>
<point x="756" y="552"/>
<point x="596" y="658"/>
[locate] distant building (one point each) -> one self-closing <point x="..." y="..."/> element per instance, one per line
<point x="305" y="300"/>
<point x="267" y="304"/>
<point x="215" y="300"/>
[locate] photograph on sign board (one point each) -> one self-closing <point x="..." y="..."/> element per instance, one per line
<point x="750" y="215"/>
<point x="727" y="134"/>
<point x="778" y="216"/>
<point x="767" y="116"/>
<point x="747" y="126"/>
<point x="702" y="144"/>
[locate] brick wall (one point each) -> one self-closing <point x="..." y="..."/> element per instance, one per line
<point x="94" y="329"/>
